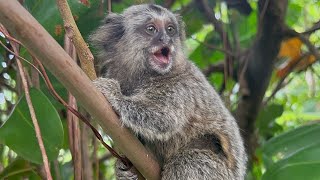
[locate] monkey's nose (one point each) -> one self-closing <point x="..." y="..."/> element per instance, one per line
<point x="164" y="40"/>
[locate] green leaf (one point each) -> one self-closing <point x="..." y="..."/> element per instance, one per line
<point x="298" y="171"/>
<point x="194" y="20"/>
<point x="216" y="79"/>
<point x="47" y="13"/>
<point x="18" y="169"/>
<point x="286" y="144"/>
<point x="306" y="155"/>
<point x="266" y="119"/>
<point x="246" y="27"/>
<point x="18" y="131"/>
<point x="293" y="14"/>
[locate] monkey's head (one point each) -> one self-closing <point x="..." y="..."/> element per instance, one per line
<point x="144" y="38"/>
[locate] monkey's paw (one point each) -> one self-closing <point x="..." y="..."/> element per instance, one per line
<point x="110" y="88"/>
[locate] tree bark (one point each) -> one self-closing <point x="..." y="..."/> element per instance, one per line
<point x="258" y="66"/>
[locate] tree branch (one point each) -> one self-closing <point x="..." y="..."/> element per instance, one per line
<point x="33" y="117"/>
<point x="314" y="28"/>
<point x="35" y="38"/>
<point x="213" y="47"/>
<point x="72" y="31"/>
<point x="73" y="121"/>
<point x="258" y="66"/>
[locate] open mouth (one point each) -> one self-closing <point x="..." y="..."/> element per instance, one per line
<point x="162" y="55"/>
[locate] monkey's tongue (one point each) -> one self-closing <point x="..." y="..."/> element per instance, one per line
<point x="163" y="55"/>
<point x="161" y="58"/>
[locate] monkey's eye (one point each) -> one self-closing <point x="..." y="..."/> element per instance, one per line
<point x="151" y="29"/>
<point x="171" y="30"/>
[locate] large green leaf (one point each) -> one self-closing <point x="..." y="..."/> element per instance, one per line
<point x="306" y="155"/>
<point x="18" y="131"/>
<point x="286" y="144"/>
<point x="298" y="171"/>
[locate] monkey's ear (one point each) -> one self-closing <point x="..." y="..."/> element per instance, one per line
<point x="113" y="18"/>
<point x="109" y="33"/>
<point x="182" y="32"/>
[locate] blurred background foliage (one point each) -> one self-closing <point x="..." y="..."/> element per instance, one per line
<point x="286" y="128"/>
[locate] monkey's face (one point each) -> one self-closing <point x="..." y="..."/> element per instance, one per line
<point x="157" y="34"/>
<point x="160" y="52"/>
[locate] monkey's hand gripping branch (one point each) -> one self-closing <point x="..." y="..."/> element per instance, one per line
<point x="110" y="88"/>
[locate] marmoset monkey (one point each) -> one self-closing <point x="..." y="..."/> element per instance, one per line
<point x="164" y="98"/>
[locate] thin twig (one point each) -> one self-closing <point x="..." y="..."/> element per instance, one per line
<point x="8" y="36"/>
<point x="95" y="158"/>
<point x="213" y="47"/>
<point x="21" y="58"/>
<point x="73" y="121"/>
<point x="72" y="31"/>
<point x="33" y="116"/>
<point x="313" y="29"/>
<point x="35" y="77"/>
<point x="86" y="158"/>
<point x="57" y="170"/>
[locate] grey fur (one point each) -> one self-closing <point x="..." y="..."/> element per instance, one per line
<point x="174" y="110"/>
